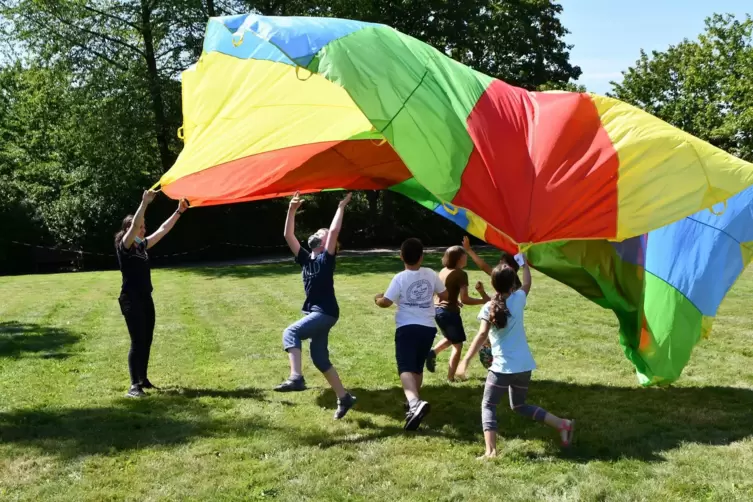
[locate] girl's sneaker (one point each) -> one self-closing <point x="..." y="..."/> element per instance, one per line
<point x="567" y="430"/>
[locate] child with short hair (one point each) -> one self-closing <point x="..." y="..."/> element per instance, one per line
<point x="447" y="313"/>
<point x="413" y="290"/>
<point x="320" y="308"/>
<point x="510" y="373"/>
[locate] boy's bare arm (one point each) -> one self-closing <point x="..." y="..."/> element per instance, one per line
<point x="383" y="302"/>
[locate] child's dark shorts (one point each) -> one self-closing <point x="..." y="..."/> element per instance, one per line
<point x="412" y="345"/>
<point x="451" y="325"/>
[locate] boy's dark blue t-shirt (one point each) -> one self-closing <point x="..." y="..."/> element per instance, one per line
<point x="319" y="282"/>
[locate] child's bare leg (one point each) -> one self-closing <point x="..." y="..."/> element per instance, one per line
<point x="457" y="350"/>
<point x="443" y="344"/>
<point x="490" y="438"/>
<point x="518" y="390"/>
<point x="294" y="356"/>
<point x="334" y="381"/>
<point x="411" y="384"/>
<point x="560" y="424"/>
<point x="473" y="348"/>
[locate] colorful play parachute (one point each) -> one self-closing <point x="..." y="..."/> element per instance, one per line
<point x="276" y="105"/>
<point x="665" y="287"/>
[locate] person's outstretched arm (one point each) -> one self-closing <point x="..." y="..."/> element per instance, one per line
<point x="526" y="287"/>
<point x="383" y="302"/>
<point x="476" y="258"/>
<point x="391" y="296"/>
<point x="336" y="226"/>
<point x="167" y="225"/>
<point x="467" y="299"/>
<point x="478" y="341"/>
<point x="290" y="237"/>
<point x="138" y="218"/>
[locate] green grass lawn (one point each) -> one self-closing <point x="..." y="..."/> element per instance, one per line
<point x="218" y="432"/>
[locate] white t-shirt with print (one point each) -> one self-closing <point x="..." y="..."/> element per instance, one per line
<point x="413" y="292"/>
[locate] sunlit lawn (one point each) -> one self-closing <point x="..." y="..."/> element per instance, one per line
<point x="218" y="432"/>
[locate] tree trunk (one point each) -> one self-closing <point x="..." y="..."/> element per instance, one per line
<point x="155" y="88"/>
<point x="372" y="197"/>
<point x="211" y="11"/>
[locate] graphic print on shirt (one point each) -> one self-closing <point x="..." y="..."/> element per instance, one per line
<point x="420" y="294"/>
<point x="311" y="269"/>
<point x="139" y="251"/>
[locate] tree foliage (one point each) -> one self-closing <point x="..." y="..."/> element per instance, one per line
<point x="90" y="104"/>
<point x="703" y="86"/>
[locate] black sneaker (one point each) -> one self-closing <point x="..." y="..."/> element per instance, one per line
<point x="431" y="361"/>
<point x="343" y="405"/>
<point x="136" y="391"/>
<point x="292" y="385"/>
<point x="146" y="384"/>
<point x="415" y="415"/>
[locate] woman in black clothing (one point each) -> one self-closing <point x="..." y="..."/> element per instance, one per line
<point x="136" y="292"/>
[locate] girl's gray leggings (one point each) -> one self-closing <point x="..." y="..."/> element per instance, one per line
<point x="515" y="385"/>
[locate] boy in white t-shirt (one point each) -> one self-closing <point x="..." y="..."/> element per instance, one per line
<point x="413" y="291"/>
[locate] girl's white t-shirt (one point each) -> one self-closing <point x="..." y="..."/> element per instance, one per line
<point x="413" y="292"/>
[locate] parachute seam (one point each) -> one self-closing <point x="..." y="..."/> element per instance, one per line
<point x="645" y="270"/>
<point x="715" y="228"/>
<point x="426" y="72"/>
<point x="402" y="107"/>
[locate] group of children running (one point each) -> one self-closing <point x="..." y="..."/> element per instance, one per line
<point x="425" y="300"/>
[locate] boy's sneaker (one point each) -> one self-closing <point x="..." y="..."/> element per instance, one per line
<point x="431" y="361"/>
<point x="136" y="391"/>
<point x="343" y="405"/>
<point x="292" y="385"/>
<point x="415" y="415"/>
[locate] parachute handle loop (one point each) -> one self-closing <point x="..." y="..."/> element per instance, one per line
<point x="181" y="136"/>
<point x="237" y="39"/>
<point x="719" y="213"/>
<point x="453" y="211"/>
<point x="297" y="68"/>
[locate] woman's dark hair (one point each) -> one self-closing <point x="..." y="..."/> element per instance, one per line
<point x="127" y="221"/>
<point x="452" y="256"/>
<point x="503" y="280"/>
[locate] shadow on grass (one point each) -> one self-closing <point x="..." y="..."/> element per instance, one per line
<point x="612" y="422"/>
<point x="17" y="339"/>
<point x="130" y="424"/>
<point x="347" y="265"/>
<point x="243" y="393"/>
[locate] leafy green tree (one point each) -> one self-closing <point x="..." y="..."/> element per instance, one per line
<point x="703" y="86"/>
<point x="90" y="104"/>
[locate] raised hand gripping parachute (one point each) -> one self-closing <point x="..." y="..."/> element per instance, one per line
<point x="278" y="104"/>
